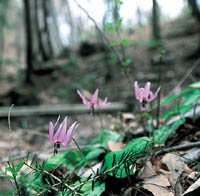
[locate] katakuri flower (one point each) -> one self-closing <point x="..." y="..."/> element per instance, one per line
<point x="145" y="95"/>
<point x="94" y="101"/>
<point x="62" y="135"/>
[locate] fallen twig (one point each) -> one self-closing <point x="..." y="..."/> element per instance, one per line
<point x="59" y="109"/>
<point x="179" y="147"/>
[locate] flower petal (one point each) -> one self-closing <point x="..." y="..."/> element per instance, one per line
<point x="85" y="101"/>
<point x="104" y="104"/>
<point x="70" y="133"/>
<point x="51" y="130"/>
<point x="137" y="90"/>
<point x="95" y="97"/>
<point x="146" y="90"/>
<point x="141" y="95"/>
<point x="61" y="131"/>
<point x="152" y="97"/>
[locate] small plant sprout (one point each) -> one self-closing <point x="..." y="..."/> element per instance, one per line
<point x="94" y="101"/>
<point x="145" y="95"/>
<point x="62" y="135"/>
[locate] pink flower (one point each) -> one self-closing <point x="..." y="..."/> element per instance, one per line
<point x="62" y="135"/>
<point x="94" y="101"/>
<point x="145" y="95"/>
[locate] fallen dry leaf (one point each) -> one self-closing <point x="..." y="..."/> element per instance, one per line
<point x="126" y="118"/>
<point x="115" y="146"/>
<point x="193" y="187"/>
<point x="175" y="166"/>
<point x="190" y="174"/>
<point x="148" y="171"/>
<point x="158" y="185"/>
<point x="158" y="190"/>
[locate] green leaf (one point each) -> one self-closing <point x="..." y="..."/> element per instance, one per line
<point x="185" y="108"/>
<point x="7" y="176"/>
<point x="19" y="166"/>
<point x="174" y="97"/>
<point x="119" y="22"/>
<point x="109" y="27"/>
<point x="195" y="85"/>
<point x="127" y="62"/>
<point x="11" y="170"/>
<point x="95" y="153"/>
<point x="70" y="159"/>
<point x="181" y="110"/>
<point x="12" y="162"/>
<point x="86" y="189"/>
<point x="118" y="2"/>
<point x="113" y="44"/>
<point x="169" y="114"/>
<point x="108" y="135"/>
<point x="192" y="98"/>
<point x="124" y="159"/>
<point x="169" y="99"/>
<point x="161" y="51"/>
<point x="160" y="135"/>
<point x="98" y="190"/>
<point x="126" y="42"/>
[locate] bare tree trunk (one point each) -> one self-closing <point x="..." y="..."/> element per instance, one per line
<point x="116" y="15"/>
<point x="38" y="12"/>
<point x="55" y="36"/>
<point x="195" y="9"/>
<point x="29" y="44"/>
<point x="46" y="27"/>
<point x="3" y="11"/>
<point x="155" y="21"/>
<point x="69" y="18"/>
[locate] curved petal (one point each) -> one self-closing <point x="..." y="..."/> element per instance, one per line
<point x="137" y="90"/>
<point x="84" y="100"/>
<point x="70" y="133"/>
<point x="51" y="130"/>
<point x="95" y="97"/>
<point x="152" y="97"/>
<point x="146" y="90"/>
<point x="61" y="131"/>
<point x="104" y="104"/>
<point x="57" y="121"/>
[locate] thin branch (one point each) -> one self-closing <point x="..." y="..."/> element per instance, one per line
<point x="113" y="49"/>
<point x="189" y="72"/>
<point x="179" y="147"/>
<point x="53" y="176"/>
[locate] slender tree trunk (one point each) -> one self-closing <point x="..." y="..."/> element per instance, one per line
<point x="29" y="44"/>
<point x="69" y="18"/>
<point x="155" y="21"/>
<point x="38" y="12"/>
<point x="3" y="11"/>
<point x="46" y="27"/>
<point x="195" y="9"/>
<point x="54" y="30"/>
<point x="116" y="15"/>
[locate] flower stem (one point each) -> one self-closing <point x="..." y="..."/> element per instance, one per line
<point x="83" y="156"/>
<point x="100" y="119"/>
<point x="158" y="111"/>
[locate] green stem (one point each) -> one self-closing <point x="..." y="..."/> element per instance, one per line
<point x="83" y="156"/>
<point x="15" y="181"/>
<point x="158" y="110"/>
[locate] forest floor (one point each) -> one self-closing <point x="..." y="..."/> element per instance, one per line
<point x="180" y="39"/>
